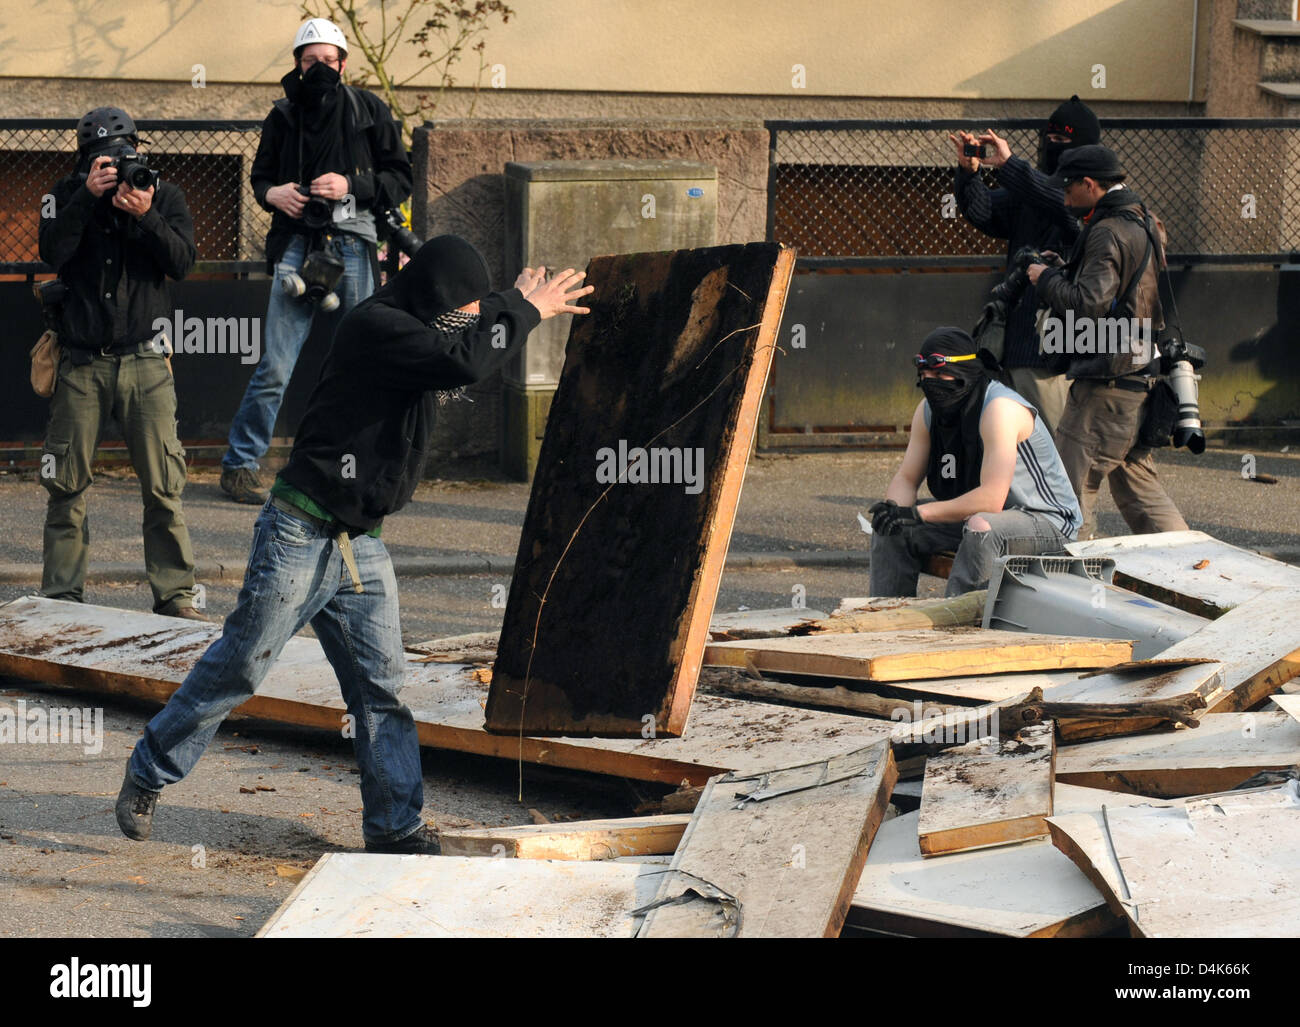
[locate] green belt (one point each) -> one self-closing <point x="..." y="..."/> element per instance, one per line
<point x="298" y="504"/>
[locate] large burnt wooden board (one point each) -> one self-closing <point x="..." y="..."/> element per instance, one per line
<point x="616" y="577"/>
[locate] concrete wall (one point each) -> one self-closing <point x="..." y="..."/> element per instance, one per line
<point x="889" y="48"/>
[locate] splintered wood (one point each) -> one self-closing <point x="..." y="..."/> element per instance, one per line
<point x="637" y="483"/>
<point x="911" y="655"/>
<point x="775" y="854"/>
<point x="988" y="792"/>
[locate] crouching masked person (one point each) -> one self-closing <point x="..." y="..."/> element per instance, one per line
<point x="998" y="485"/>
<point x="317" y="557"/>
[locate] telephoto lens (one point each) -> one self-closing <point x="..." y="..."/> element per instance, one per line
<point x="1187" y="428"/>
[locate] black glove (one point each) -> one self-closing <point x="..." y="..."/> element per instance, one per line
<point x="888" y="518"/>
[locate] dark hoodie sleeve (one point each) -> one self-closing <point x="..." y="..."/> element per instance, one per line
<point x="415" y="356"/>
<point x="390" y="179"/>
<point x="267" y="162"/>
<point x="167" y="231"/>
<point x="987" y="209"/>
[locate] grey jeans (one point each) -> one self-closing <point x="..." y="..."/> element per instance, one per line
<point x="896" y="560"/>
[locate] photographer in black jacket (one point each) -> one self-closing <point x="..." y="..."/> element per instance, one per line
<point x="329" y="163"/>
<point x="1028" y="210"/>
<point x="317" y="556"/>
<point x="114" y="245"/>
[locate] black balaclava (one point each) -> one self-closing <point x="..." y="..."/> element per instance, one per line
<point x="315" y="94"/>
<point x="1074" y="119"/>
<point x="446" y="272"/>
<point x="955" y="409"/>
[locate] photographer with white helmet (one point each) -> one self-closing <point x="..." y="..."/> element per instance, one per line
<point x="330" y="158"/>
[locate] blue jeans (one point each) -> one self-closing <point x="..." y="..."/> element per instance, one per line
<point x="288" y="323"/>
<point x="295" y="575"/>
<point x="896" y="560"/>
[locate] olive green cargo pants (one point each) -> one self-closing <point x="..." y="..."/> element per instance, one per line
<point x="136" y="390"/>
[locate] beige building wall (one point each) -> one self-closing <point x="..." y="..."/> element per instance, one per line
<point x="613" y="58"/>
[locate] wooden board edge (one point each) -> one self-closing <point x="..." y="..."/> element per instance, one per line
<point x="989" y="835"/>
<point x="704" y="594"/>
<point x="884" y="789"/>
<point x="283" y="908"/>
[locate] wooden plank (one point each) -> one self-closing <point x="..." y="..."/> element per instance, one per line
<point x="1141" y="681"/>
<point x="782" y="851"/>
<point x="580" y="839"/>
<point x="912" y="655"/>
<point x="1224" y="751"/>
<point x="727" y="627"/>
<point x="615" y="581"/>
<point x="1028" y="890"/>
<point x="361" y="895"/>
<point x="988" y="792"/>
<point x="146" y="656"/>
<point x="1258" y="643"/>
<point x="1221" y="866"/>
<point x="1189" y="569"/>
<point x="955" y="611"/>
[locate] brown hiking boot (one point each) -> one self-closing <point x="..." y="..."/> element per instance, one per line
<point x="243" y="485"/>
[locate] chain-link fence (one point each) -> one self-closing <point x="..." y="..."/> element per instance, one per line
<point x="209" y="160"/>
<point x="881" y="192"/>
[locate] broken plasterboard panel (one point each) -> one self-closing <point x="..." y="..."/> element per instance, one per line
<point x="367" y="895"/>
<point x="635" y="493"/>
<point x="1029" y="890"/>
<point x="1222" y="866"/>
<point x="1225" y="750"/>
<point x="988" y="792"/>
<point x="1189" y="569"/>
<point x="915" y="655"/>
<point x="775" y="855"/>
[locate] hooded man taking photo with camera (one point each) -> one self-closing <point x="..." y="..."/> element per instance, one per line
<point x="330" y="163"/>
<point x="1027" y="208"/>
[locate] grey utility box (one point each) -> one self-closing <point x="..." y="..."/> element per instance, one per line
<point x="561" y="214"/>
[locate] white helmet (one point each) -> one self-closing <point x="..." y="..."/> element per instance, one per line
<point x="320" y="30"/>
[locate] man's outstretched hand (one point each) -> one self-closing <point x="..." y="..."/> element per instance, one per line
<point x="557" y="295"/>
<point x="888" y="518"/>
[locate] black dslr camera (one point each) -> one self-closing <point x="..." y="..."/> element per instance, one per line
<point x="1180" y="360"/>
<point x="318" y="212"/>
<point x="1012" y="287"/>
<point x="135" y="171"/>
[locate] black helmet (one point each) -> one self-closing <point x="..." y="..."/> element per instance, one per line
<point x="104" y="123"/>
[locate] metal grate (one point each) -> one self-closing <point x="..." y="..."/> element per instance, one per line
<point x="209" y="160"/>
<point x="880" y="192"/>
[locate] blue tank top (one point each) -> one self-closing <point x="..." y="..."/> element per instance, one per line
<point x="1039" y="484"/>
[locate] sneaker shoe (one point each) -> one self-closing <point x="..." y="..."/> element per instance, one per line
<point x="243" y="485"/>
<point x="135" y="807"/>
<point x="423" y="842"/>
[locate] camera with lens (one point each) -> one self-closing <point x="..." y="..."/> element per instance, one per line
<point x="405" y="240"/>
<point x="1012" y="287"/>
<point x="135" y="171"/>
<point x="1180" y="360"/>
<point x="316" y="280"/>
<point x="318" y="212"/>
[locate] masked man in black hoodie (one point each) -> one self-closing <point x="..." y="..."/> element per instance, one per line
<point x="329" y="164"/>
<point x="1028" y="210"/>
<point x="317" y="557"/>
<point x="997" y="481"/>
